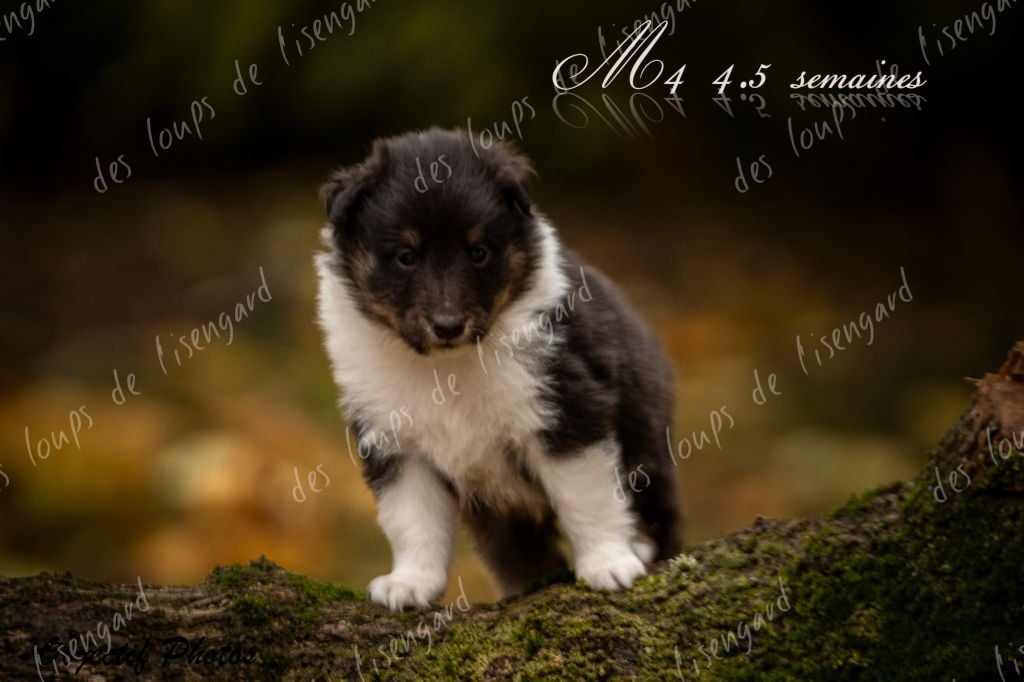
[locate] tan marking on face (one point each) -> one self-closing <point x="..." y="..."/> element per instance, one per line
<point x="385" y="314"/>
<point x="411" y="238"/>
<point x="501" y="300"/>
<point x="475" y="234"/>
<point x="362" y="266"/>
<point x="517" y="266"/>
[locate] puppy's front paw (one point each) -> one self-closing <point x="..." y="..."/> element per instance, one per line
<point x="400" y="589"/>
<point x="610" y="568"/>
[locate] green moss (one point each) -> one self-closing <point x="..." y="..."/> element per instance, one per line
<point x="295" y="607"/>
<point x="320" y="592"/>
<point x="901" y="598"/>
<point x="253" y="610"/>
<point x="274" y="663"/>
<point x="239" y="576"/>
<point x="681" y="565"/>
<point x="865" y="502"/>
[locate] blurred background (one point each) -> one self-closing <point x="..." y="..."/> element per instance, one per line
<point x="200" y="468"/>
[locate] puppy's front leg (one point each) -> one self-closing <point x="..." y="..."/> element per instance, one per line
<point x="417" y="514"/>
<point x="600" y="526"/>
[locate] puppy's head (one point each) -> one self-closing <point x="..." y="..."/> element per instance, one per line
<point x="436" y="237"/>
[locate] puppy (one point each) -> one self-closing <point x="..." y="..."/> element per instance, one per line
<point x="489" y="373"/>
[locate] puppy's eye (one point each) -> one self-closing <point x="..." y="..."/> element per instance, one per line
<point x="406" y="258"/>
<point x="479" y="254"/>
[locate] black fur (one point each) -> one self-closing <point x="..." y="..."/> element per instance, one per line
<point x="516" y="549"/>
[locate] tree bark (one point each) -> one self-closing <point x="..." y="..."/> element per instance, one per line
<point x="918" y="580"/>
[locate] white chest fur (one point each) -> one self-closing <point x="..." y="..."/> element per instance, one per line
<point x="474" y="426"/>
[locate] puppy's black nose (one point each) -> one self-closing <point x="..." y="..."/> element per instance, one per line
<point x="447" y="327"/>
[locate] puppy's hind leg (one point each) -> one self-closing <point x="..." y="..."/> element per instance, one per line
<point x="516" y="549"/>
<point x="599" y="523"/>
<point x="650" y="471"/>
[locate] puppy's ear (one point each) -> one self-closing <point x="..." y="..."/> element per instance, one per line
<point x="346" y="188"/>
<point x="512" y="174"/>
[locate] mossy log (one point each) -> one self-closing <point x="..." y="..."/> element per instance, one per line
<point x="912" y="581"/>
